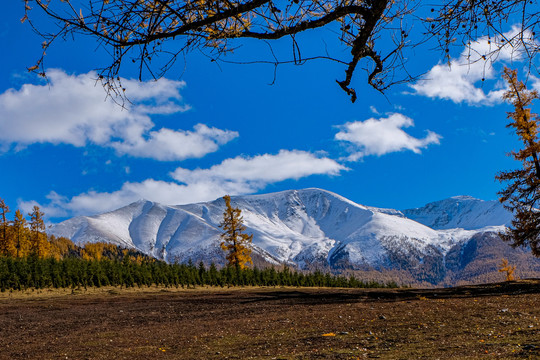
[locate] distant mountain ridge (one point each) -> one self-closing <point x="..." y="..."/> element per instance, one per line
<point x="463" y="212"/>
<point x="308" y="228"/>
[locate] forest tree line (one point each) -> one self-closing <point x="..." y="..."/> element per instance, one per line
<point x="29" y="258"/>
<point x="73" y="272"/>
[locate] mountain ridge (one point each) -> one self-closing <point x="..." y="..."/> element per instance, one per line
<point x="461" y="211"/>
<point x="306" y="228"/>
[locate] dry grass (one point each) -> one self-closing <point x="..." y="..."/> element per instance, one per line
<point x="111" y="290"/>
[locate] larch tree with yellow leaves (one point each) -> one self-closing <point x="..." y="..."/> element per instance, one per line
<point x="39" y="245"/>
<point x="522" y="193"/>
<point x="234" y="241"/>
<point x="20" y="235"/>
<point x="6" y="246"/>
<point x="504" y="267"/>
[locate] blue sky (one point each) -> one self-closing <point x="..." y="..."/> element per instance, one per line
<point x="207" y="130"/>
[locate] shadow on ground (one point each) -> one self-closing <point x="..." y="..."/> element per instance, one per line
<point x="528" y="286"/>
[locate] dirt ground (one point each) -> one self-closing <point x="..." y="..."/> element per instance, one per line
<point x="476" y="322"/>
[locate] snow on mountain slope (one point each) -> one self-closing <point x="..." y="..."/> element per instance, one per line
<point x="461" y="212"/>
<point x="152" y="228"/>
<point x="315" y="226"/>
<point x="307" y="228"/>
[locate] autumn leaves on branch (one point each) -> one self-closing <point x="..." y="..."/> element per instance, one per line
<point x="522" y="193"/>
<point x="154" y="34"/>
<point x="140" y="31"/>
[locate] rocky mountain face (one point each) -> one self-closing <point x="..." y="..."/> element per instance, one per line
<point x="440" y="243"/>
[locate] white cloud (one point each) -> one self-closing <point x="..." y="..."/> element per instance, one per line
<point x="75" y="110"/>
<point x="535" y="83"/>
<point x="382" y="136"/>
<point x="52" y="209"/>
<point x="167" y="144"/>
<point x="458" y="80"/>
<point x="240" y="175"/>
<point x="262" y="169"/>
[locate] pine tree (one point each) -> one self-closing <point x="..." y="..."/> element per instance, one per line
<point x="38" y="242"/>
<point x="213" y="275"/>
<point x="235" y="242"/>
<point x="203" y="274"/>
<point x="522" y="194"/>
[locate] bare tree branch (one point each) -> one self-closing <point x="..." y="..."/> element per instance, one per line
<point x="141" y="30"/>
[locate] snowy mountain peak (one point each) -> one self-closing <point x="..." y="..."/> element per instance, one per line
<point x="309" y="228"/>
<point x="464" y="198"/>
<point x="462" y="211"/>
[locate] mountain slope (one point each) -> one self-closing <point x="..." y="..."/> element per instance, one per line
<point x="461" y="212"/>
<point x="309" y="228"/>
<point x="297" y="227"/>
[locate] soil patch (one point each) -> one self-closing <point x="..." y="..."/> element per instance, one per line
<point x="485" y="321"/>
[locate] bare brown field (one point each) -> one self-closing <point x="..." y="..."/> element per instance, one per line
<point x="474" y="322"/>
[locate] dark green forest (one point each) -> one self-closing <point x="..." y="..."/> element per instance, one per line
<point x="75" y="272"/>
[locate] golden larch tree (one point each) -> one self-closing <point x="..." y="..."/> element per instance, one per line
<point x="60" y="247"/>
<point x="6" y="248"/>
<point x="93" y="251"/>
<point x="508" y="269"/>
<point x="38" y="240"/>
<point x="235" y="242"/>
<point x="20" y="235"/>
<point x="522" y="194"/>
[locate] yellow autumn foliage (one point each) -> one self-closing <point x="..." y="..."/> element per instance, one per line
<point x="508" y="269"/>
<point x="235" y="242"/>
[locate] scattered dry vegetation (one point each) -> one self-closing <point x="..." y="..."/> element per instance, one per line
<point x="471" y="322"/>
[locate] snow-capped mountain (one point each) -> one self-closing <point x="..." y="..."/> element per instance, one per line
<point x="304" y="228"/>
<point x="461" y="212"/>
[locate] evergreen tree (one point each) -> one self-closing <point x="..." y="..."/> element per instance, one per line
<point x="203" y="274"/>
<point x="235" y="242"/>
<point x="213" y="275"/>
<point x="522" y="194"/>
